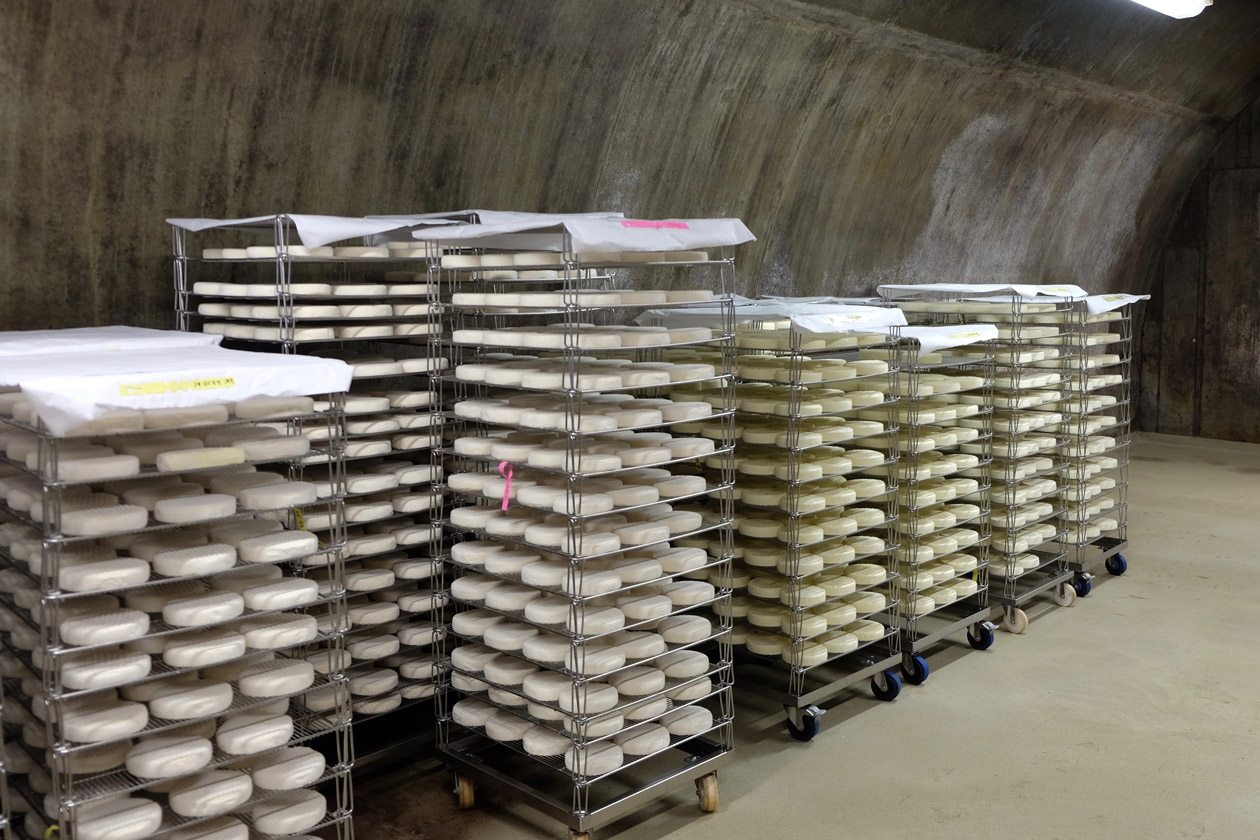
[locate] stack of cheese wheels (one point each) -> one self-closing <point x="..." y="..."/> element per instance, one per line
<point x="1043" y="356"/>
<point x="979" y="411"/>
<point x="583" y="627"/>
<point x="187" y="595"/>
<point x="815" y="418"/>
<point x="393" y="482"/>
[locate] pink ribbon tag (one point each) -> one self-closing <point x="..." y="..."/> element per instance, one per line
<point x="507" y="488"/>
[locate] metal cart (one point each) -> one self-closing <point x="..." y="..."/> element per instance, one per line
<point x="801" y="612"/>
<point x="39" y="543"/>
<point x="1097" y="410"/>
<point x="558" y="295"/>
<point x="378" y="313"/>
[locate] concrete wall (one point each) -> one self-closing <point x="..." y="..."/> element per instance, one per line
<point x="863" y="140"/>
<point x="1200" y="345"/>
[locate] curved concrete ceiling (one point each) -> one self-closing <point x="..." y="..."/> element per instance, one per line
<point x="862" y="140"/>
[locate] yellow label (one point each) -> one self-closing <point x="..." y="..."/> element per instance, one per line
<point x="1113" y="297"/>
<point x="140" y="389"/>
<point x="964" y="335"/>
<point x="300" y="518"/>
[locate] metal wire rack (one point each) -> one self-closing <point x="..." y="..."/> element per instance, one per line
<point x="380" y="313"/>
<point x="1097" y="425"/>
<point x="815" y="419"/>
<point x="549" y="496"/>
<point x="57" y="675"/>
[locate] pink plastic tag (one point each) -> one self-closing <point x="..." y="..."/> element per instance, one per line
<point x="648" y="223"/>
<point x="507" y="488"/>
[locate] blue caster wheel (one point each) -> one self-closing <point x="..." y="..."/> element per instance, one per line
<point x="915" y="669"/>
<point x="1082" y="585"/>
<point x="981" y="636"/>
<point x="807" y="730"/>
<point x="1117" y="565"/>
<point x="889" y="688"/>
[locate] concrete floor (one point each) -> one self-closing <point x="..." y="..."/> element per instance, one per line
<point x="1133" y="714"/>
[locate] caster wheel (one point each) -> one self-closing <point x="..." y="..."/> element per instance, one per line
<point x="579" y="835"/>
<point x="980" y="637"/>
<point x="464" y="792"/>
<point x="707" y="791"/>
<point x="1117" y="565"/>
<point x="1082" y="585"/>
<point x="1015" y="621"/>
<point x="805" y="732"/>
<point x="890" y="687"/>
<point x="915" y="669"/>
<point x="1065" y="594"/>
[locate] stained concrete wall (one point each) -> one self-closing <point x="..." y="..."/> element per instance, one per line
<point x="1200" y="346"/>
<point x="863" y="140"/>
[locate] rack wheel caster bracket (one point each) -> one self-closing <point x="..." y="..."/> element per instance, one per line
<point x="915" y="669"/>
<point x="981" y="635"/>
<point x="707" y="793"/>
<point x="1083" y="583"/>
<point x="1116" y="564"/>
<point x="1065" y="594"/>
<point x="1015" y="621"/>
<point x="806" y="723"/>
<point x="465" y="792"/>
<point x="886" y="685"/>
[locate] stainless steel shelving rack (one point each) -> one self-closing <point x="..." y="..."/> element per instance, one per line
<point x="1097" y="415"/>
<point x="1028" y="554"/>
<point x="779" y="476"/>
<point x="394" y="526"/>
<point x="573" y="792"/>
<point x="946" y="481"/>
<point x="36" y="548"/>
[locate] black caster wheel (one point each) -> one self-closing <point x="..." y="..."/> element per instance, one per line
<point x="1082" y="584"/>
<point x="915" y="669"/>
<point x="889" y="688"/>
<point x="1117" y="565"/>
<point x="809" y="727"/>
<point x="981" y="636"/>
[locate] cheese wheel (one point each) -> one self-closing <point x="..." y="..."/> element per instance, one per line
<point x="588" y="698"/>
<point x="472" y="658"/>
<point x="182" y="701"/>
<point x="505" y="726"/>
<point x="202" y="648"/>
<point x="508" y="670"/>
<point x="638" y="680"/>
<point x="685" y="629"/>
<point x="107" y="627"/>
<point x="251" y="732"/>
<point x="281" y="595"/>
<point x="591" y="660"/>
<point x="474" y="622"/>
<point x="117" y="818"/>
<point x="509" y="635"/>
<point x="103" y="574"/>
<point x="867" y="602"/>
<point x="866" y="631"/>
<point x="472" y="712"/>
<point x="210" y="793"/>
<point x="200" y="610"/>
<point x="289" y="812"/>
<point x="162" y="757"/>
<point x="541" y="741"/>
<point x="275" y="678"/>
<point x="691" y="720"/>
<point x="279" y="631"/>
<point x="374" y="682"/>
<point x="198" y="560"/>
<point x="547" y="648"/>
<point x="594" y="759"/>
<point x="510" y="597"/>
